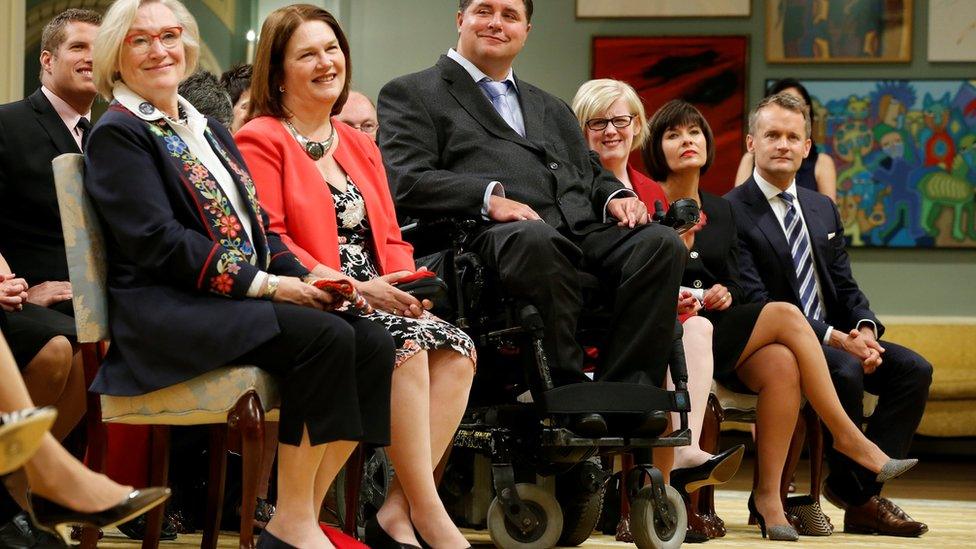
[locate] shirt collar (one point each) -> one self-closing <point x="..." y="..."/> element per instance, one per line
<point x="145" y="110"/>
<point x="476" y="74"/>
<point x="768" y="189"/>
<point x="68" y="114"/>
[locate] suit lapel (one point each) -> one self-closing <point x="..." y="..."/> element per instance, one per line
<point x="52" y="123"/>
<point x="818" y="238"/>
<point x="766" y="220"/>
<point x="533" y="113"/>
<point x="469" y="95"/>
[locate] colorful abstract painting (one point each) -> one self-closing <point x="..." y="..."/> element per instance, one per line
<point x="707" y="71"/>
<point x="906" y="158"/>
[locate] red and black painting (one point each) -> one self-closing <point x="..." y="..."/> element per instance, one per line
<point x="707" y="71"/>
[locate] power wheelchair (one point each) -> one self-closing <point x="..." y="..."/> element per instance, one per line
<point x="516" y="467"/>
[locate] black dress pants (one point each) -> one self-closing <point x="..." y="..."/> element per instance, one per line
<point x="902" y="386"/>
<point x="643" y="267"/>
<point x="334" y="373"/>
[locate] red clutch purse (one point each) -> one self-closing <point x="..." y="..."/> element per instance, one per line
<point x="343" y="290"/>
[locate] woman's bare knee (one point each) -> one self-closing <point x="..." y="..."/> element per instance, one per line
<point x="47" y="373"/>
<point x="698" y="329"/>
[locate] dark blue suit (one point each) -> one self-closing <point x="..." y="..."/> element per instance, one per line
<point x="767" y="273"/>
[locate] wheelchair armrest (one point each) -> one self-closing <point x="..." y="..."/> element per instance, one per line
<point x="430" y="234"/>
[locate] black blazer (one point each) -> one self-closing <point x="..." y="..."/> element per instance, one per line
<point x="443" y="142"/>
<point x="714" y="257"/>
<point x="766" y="267"/>
<point x="31" y="135"/>
<point x="177" y="308"/>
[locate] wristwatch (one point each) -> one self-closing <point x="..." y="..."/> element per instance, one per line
<point x="271" y="287"/>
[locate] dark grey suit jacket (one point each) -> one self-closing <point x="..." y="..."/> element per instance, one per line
<point x="766" y="268"/>
<point x="31" y="135"/>
<point x="443" y="143"/>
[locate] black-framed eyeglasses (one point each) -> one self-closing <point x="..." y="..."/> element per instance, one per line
<point x="600" y="124"/>
<point x="367" y="127"/>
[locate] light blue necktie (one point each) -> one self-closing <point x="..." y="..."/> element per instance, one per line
<point x="802" y="259"/>
<point x="496" y="93"/>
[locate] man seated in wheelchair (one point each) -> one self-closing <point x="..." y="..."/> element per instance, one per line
<point x="467" y="138"/>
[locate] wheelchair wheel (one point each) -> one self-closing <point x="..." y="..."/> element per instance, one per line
<point x="580" y="493"/>
<point x="377" y="475"/>
<point x="658" y="528"/>
<point x="542" y="505"/>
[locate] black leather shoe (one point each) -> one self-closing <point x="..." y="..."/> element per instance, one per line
<point x="589" y="425"/>
<point x="19" y="534"/>
<point x="377" y="538"/>
<point x="268" y="541"/>
<point x="53" y="517"/>
<point x="717" y="469"/>
<point x="136" y="528"/>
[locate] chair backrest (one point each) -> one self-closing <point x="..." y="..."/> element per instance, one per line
<point x="85" y="248"/>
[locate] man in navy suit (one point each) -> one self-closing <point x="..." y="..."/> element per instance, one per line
<point x="791" y="248"/>
<point x="467" y="137"/>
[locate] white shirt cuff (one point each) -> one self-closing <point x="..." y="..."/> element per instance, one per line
<point x="606" y="214"/>
<point x="254" y="290"/>
<point x="868" y="321"/>
<point x="493" y="189"/>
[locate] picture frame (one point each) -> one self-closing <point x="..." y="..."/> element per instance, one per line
<point x="905" y="154"/>
<point x="616" y="9"/>
<point x="952" y="31"/>
<point x="839" y="31"/>
<point x="709" y="72"/>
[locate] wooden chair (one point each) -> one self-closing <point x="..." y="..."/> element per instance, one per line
<point x="235" y="401"/>
<point x="727" y="405"/>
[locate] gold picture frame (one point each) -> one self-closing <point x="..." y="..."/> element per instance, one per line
<point x="839" y="31"/>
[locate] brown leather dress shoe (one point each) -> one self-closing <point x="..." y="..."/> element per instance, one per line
<point x="880" y="516"/>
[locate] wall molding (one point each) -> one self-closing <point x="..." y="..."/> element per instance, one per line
<point x="12" y="50"/>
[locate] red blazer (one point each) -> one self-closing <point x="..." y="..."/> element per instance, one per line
<point x="647" y="189"/>
<point x="298" y="202"/>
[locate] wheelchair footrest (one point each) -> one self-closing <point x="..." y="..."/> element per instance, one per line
<point x="608" y="397"/>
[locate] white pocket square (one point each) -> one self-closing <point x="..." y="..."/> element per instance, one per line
<point x="830" y="235"/>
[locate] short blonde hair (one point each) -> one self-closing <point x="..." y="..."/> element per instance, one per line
<point x="114" y="29"/>
<point x="596" y="96"/>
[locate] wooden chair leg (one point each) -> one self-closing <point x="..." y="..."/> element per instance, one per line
<point x="250" y="425"/>
<point x="216" y="479"/>
<point x="704" y="499"/>
<point x="623" y="532"/>
<point x="354" y="481"/>
<point x="793" y="456"/>
<point x="91" y="356"/>
<point x="815" y="447"/>
<point x="158" y="474"/>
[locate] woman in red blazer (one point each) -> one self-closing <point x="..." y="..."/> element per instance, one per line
<point x="325" y="191"/>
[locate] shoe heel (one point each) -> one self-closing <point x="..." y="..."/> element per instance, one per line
<point x="63" y="531"/>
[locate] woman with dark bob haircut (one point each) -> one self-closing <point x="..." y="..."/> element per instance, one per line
<point x="818" y="171"/>
<point x="764" y="348"/>
<point x="323" y="185"/>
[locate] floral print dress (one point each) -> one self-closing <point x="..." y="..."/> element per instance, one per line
<point x="411" y="335"/>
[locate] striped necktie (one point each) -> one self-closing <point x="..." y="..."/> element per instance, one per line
<point x="802" y="259"/>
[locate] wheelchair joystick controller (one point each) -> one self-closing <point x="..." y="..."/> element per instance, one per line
<point x="682" y="215"/>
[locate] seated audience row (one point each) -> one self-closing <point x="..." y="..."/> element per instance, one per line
<point x="224" y="251"/>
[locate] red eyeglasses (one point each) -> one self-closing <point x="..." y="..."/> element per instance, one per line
<point x="141" y="42"/>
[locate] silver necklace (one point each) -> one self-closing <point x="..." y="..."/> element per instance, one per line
<point x="314" y="149"/>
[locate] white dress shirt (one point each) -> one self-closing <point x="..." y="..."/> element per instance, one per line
<point x="68" y="114"/>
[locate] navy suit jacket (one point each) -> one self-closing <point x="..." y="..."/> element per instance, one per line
<point x="31" y="135"/>
<point x="177" y="307"/>
<point x="443" y="142"/>
<point x="766" y="268"/>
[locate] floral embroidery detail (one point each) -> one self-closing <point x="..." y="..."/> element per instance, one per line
<point x="220" y="215"/>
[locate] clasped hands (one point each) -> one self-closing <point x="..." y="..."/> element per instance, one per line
<point x="380" y="292"/>
<point x="862" y="344"/>
<point x="14" y="292"/>
<point x="717" y="298"/>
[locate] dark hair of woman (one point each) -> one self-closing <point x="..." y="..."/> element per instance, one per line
<point x="674" y="114"/>
<point x="269" y="71"/>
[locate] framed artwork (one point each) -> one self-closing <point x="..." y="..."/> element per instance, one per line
<point x="707" y="71"/>
<point x="905" y="152"/>
<point x="952" y="30"/>
<point x="662" y="8"/>
<point x="839" y="31"/>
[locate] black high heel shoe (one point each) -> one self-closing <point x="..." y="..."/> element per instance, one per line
<point x="777" y="532"/>
<point x="377" y="538"/>
<point x="267" y="540"/>
<point x="58" y="519"/>
<point x="717" y="469"/>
